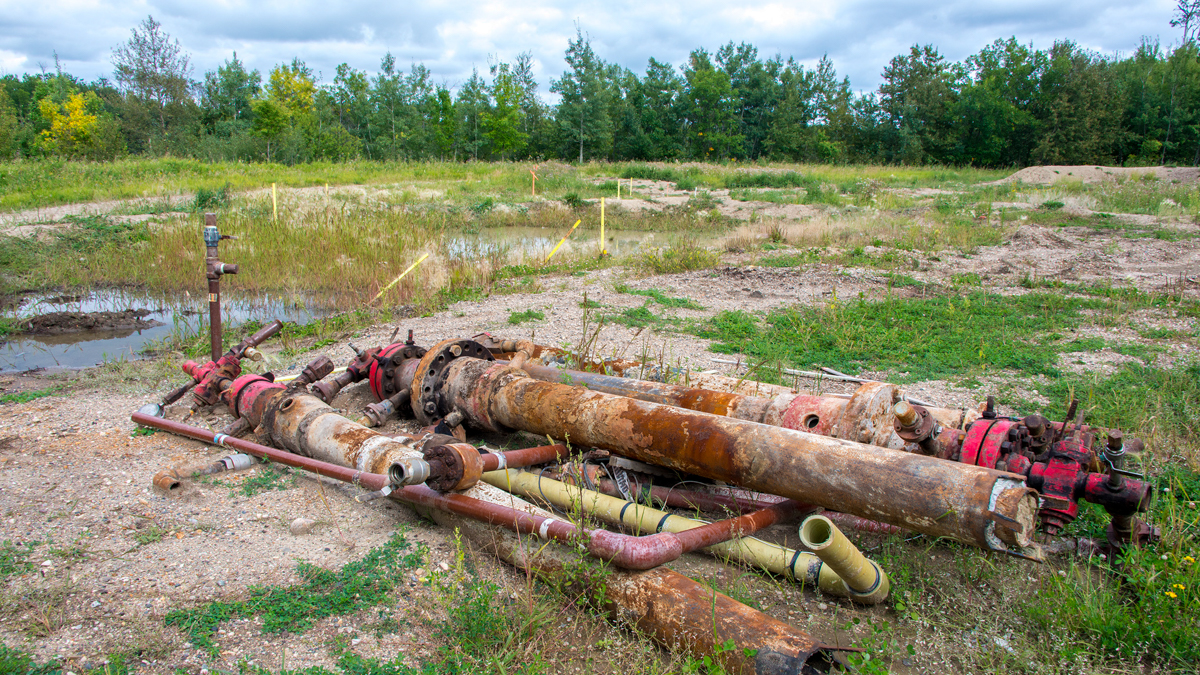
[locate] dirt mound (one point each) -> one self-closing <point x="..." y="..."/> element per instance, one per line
<point x="73" y="322"/>
<point x="1090" y="173"/>
<point x="1030" y="237"/>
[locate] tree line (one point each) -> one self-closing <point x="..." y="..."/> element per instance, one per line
<point x="1008" y="105"/>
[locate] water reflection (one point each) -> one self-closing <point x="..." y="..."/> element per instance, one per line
<point x="175" y="313"/>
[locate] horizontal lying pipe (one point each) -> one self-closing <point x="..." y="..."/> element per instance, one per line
<point x="797" y="565"/>
<point x="825" y="415"/>
<point x="671" y="609"/>
<point x="170" y="480"/>
<point x="524" y="457"/>
<point x="978" y="506"/>
<point x="368" y="480"/>
<point x="621" y="550"/>
<point x="710" y="502"/>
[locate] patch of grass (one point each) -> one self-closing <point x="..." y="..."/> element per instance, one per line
<point x="659" y="297"/>
<point x="516" y="318"/>
<point x="573" y="200"/>
<point x="1052" y="205"/>
<point x="211" y="199"/>
<point x="267" y="478"/>
<point x="919" y="339"/>
<point x="27" y="396"/>
<point x="636" y="317"/>
<point x="806" y="257"/>
<point x="14" y="559"/>
<point x="149" y="535"/>
<point x="963" y="279"/>
<point x="682" y="257"/>
<point x="902" y="280"/>
<point x="322" y="593"/>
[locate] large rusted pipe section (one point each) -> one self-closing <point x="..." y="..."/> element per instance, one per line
<point x="876" y="414"/>
<point x="825" y="415"/>
<point x="982" y="507"/>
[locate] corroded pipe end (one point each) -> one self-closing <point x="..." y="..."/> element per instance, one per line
<point x="409" y="471"/>
<point x="169" y="480"/>
<point x="906" y="414"/>
<point x="865" y="580"/>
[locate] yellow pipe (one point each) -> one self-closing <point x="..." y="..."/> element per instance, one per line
<point x="274" y="205"/>
<point x="796" y="565"/>
<point x="397" y="279"/>
<point x="866" y="581"/>
<point x="564" y="239"/>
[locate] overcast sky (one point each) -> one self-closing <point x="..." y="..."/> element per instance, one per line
<point x="450" y="38"/>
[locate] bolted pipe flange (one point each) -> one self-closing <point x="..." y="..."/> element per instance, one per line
<point x="453" y="466"/>
<point x="427" y="396"/>
<point x="385" y="372"/>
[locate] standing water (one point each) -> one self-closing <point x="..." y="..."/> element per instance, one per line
<point x="171" y="314"/>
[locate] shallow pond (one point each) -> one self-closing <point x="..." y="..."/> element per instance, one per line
<point x="181" y="314"/>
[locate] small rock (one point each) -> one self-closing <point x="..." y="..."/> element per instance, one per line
<point x="301" y="526"/>
<point x="443" y="566"/>
<point x="95" y="604"/>
<point x="822" y="607"/>
<point x="756" y="294"/>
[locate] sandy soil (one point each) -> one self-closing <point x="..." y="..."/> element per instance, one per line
<point x="1046" y="175"/>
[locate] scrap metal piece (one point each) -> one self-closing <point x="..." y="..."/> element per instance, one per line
<point x="928" y="495"/>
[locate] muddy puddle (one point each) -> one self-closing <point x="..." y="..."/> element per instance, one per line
<point x="169" y="315"/>
<point x="515" y="244"/>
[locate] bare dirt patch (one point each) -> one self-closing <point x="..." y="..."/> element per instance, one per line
<point x="1089" y="173"/>
<point x="55" y="323"/>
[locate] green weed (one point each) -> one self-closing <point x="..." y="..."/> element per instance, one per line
<point x="659" y="297"/>
<point x="14" y="559"/>
<point x="916" y="338"/>
<point x="683" y="257"/>
<point x="267" y="478"/>
<point x="516" y="318"/>
<point x="27" y="396"/>
<point x="321" y="593"/>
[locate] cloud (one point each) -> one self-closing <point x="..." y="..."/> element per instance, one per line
<point x="860" y="36"/>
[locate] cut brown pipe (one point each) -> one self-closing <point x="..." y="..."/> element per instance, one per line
<point x="979" y="506"/>
<point x="516" y="459"/>
<point x="673" y="610"/>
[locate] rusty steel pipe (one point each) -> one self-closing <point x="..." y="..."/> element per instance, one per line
<point x="524" y="457"/>
<point x="982" y="507"/>
<point x="803" y="412"/>
<point x="213" y="270"/>
<point x="671" y="609"/>
<point x="367" y="480"/>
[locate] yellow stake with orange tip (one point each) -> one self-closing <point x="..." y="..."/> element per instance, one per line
<point x="602" y="251"/>
<point x="563" y="241"/>
<point x="397" y="279"/>
<point x="533" y="187"/>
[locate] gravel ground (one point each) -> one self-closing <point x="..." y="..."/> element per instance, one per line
<point x="123" y="555"/>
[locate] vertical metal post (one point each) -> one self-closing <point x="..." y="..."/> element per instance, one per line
<point x="213" y="269"/>
<point x="211" y="238"/>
